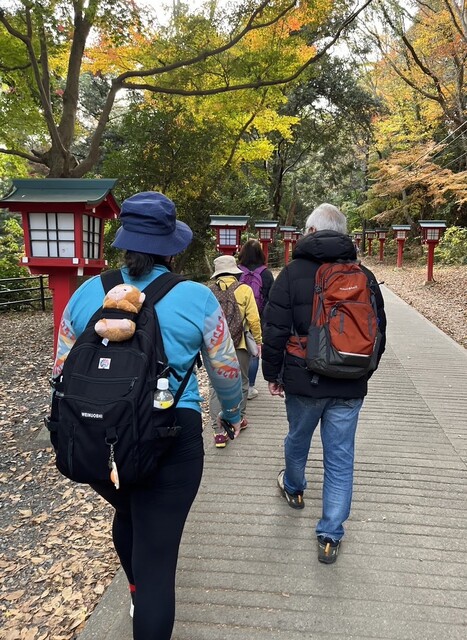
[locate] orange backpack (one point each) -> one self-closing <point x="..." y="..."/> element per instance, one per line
<point x="343" y="337"/>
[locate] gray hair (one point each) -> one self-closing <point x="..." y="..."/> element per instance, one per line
<point x="326" y="217"/>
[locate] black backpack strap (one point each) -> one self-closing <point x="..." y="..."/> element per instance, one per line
<point x="157" y="289"/>
<point x="184" y="382"/>
<point x="111" y="278"/>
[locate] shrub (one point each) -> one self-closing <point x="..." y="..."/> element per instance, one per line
<point x="11" y="249"/>
<point x="452" y="248"/>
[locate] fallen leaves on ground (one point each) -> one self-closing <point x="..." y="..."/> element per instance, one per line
<point x="56" y="555"/>
<point x="443" y="301"/>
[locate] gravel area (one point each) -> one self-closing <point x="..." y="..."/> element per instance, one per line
<point x="56" y="556"/>
<point x="443" y="301"/>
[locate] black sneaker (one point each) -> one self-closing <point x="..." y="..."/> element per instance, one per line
<point x="294" y="500"/>
<point x="328" y="550"/>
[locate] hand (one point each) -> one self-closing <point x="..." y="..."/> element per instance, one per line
<point x="276" y="389"/>
<point x="259" y="350"/>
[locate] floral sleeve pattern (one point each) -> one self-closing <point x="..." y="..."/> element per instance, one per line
<point x="221" y="363"/>
<point x="66" y="339"/>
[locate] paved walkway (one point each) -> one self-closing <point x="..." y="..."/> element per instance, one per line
<point x="248" y="567"/>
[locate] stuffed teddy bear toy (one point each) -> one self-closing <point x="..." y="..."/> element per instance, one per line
<point x="123" y="297"/>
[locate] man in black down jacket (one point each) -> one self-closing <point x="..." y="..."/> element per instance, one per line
<point x="334" y="402"/>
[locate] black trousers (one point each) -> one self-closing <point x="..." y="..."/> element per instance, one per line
<point x="148" y="526"/>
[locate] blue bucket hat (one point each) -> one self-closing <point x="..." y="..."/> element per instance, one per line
<point x="150" y="225"/>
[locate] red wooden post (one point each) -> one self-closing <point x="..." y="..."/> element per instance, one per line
<point x="432" y="230"/>
<point x="430" y="261"/>
<point x="62" y="283"/>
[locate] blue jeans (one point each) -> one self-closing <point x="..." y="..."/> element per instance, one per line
<point x="253" y="370"/>
<point x="339" y="419"/>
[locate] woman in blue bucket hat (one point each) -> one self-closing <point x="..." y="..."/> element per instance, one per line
<point x="149" y="519"/>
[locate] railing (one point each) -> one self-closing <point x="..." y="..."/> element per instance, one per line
<point x="13" y="294"/>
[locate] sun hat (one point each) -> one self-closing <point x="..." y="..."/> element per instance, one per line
<point x="225" y="264"/>
<point x="150" y="225"/>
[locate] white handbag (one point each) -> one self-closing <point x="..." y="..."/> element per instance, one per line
<point x="251" y="345"/>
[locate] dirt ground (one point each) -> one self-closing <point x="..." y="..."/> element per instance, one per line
<point x="56" y="556"/>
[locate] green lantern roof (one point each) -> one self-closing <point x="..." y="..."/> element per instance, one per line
<point x="91" y="192"/>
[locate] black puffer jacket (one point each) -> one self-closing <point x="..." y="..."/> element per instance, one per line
<point x="289" y="308"/>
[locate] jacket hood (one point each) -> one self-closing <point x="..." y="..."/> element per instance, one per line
<point x="325" y="246"/>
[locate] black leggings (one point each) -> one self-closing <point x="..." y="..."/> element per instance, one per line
<point x="148" y="526"/>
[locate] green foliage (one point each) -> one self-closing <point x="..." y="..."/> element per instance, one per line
<point x="11" y="249"/>
<point x="452" y="248"/>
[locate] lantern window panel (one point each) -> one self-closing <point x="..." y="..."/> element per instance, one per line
<point x="287" y="235"/>
<point x="265" y="234"/>
<point x="401" y="234"/>
<point x="52" y="235"/>
<point x="228" y="237"/>
<point x="432" y="234"/>
<point x="92" y="231"/>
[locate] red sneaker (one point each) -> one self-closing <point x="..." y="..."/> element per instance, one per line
<point x="220" y="440"/>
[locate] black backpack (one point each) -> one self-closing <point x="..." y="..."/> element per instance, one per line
<point x="102" y="415"/>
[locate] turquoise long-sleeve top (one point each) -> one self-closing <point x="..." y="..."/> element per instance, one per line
<point x="191" y="320"/>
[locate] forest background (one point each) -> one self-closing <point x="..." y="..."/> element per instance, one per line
<point x="249" y="108"/>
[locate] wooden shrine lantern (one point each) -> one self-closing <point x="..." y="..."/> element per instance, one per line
<point x="381" y="235"/>
<point x="432" y="230"/>
<point x="266" y="233"/>
<point x="288" y="237"/>
<point x="228" y="231"/>
<point x="357" y="237"/>
<point x="63" y="226"/>
<point x="370" y="235"/>
<point x="401" y="232"/>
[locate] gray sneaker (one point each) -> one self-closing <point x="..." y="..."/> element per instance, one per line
<point x="294" y="500"/>
<point x="252" y="393"/>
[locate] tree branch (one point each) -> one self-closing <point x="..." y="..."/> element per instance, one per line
<point x="406" y="79"/>
<point x="242" y="131"/>
<point x="93" y="154"/>
<point x="248" y="85"/>
<point x="455" y="15"/>
<point x="45" y="101"/>
<point x="44" y="60"/>
<point x="22" y="154"/>
<point x="209" y="53"/>
<point x="428" y="72"/>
